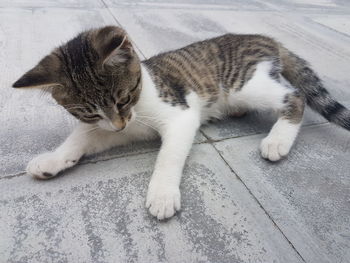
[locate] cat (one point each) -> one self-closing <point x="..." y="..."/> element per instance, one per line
<point x="99" y="79"/>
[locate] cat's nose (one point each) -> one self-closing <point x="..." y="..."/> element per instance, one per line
<point x="119" y="125"/>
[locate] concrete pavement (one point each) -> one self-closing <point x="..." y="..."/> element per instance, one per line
<point x="236" y="207"/>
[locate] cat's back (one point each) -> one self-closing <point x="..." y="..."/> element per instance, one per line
<point x="207" y="66"/>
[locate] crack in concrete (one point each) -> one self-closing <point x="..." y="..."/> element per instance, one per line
<point x="258" y="202"/>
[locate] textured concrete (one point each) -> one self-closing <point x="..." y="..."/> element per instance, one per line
<point x="51" y="3"/>
<point x="307" y="194"/>
<point x="96" y="213"/>
<point x="236" y="206"/>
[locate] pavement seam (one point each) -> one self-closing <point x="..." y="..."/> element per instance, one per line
<point x="119" y="23"/>
<point x="211" y="140"/>
<point x="257" y="201"/>
<point x="10" y="176"/>
<point x="117" y="157"/>
<point x="208" y="140"/>
<point x="86" y="162"/>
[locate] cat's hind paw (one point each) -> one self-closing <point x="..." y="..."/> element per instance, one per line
<point x="48" y="165"/>
<point x="163" y="200"/>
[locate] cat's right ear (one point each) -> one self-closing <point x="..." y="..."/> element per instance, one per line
<point x="43" y="75"/>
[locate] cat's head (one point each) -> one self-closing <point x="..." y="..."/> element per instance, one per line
<point x="96" y="76"/>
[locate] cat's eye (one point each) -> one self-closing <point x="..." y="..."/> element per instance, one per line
<point x="123" y="102"/>
<point x="92" y="117"/>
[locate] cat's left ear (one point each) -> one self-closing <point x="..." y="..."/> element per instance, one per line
<point x="43" y="75"/>
<point x="114" y="46"/>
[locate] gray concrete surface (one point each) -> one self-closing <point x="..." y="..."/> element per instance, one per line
<point x="96" y="213"/>
<point x="307" y="194"/>
<point x="236" y="206"/>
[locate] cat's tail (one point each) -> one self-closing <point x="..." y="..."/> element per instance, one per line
<point x="299" y="73"/>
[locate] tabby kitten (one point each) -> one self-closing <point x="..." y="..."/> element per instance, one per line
<point x="99" y="79"/>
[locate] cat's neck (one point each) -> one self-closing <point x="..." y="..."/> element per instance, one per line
<point x="149" y="94"/>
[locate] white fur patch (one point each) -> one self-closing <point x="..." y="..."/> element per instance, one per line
<point x="49" y="164"/>
<point x="280" y="140"/>
<point x="177" y="127"/>
<point x="261" y="92"/>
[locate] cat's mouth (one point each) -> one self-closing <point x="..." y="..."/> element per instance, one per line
<point x="115" y="126"/>
<point x="117" y="123"/>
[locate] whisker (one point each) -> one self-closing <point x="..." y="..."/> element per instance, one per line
<point x="137" y="112"/>
<point x="146" y="113"/>
<point x="93" y="129"/>
<point x="152" y="119"/>
<point x="148" y="117"/>
<point x="90" y="130"/>
<point x="150" y="126"/>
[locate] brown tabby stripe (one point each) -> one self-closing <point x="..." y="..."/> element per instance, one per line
<point x="99" y="70"/>
<point x="229" y="60"/>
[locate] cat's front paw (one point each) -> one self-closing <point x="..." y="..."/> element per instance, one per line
<point x="48" y="165"/>
<point x="163" y="200"/>
<point x="274" y="149"/>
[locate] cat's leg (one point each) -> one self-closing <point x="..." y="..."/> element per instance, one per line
<point x="283" y="133"/>
<point x="163" y="197"/>
<point x="265" y="91"/>
<point x="85" y="139"/>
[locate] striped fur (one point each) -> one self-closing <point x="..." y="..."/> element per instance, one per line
<point x="228" y="62"/>
<point x="298" y="72"/>
<point x="85" y="84"/>
<point x="95" y="75"/>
